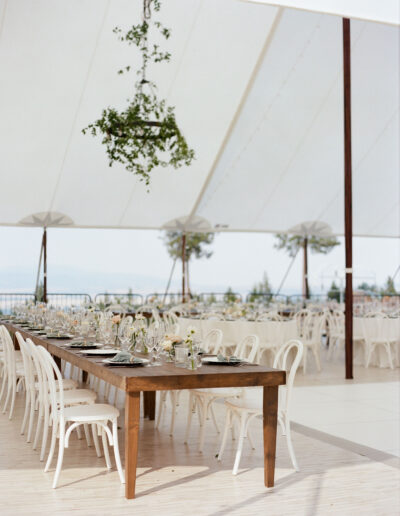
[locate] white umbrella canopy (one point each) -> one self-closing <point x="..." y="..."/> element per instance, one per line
<point x="189" y="224"/>
<point x="47" y="219"/>
<point x="311" y="228"/>
<point x="258" y="95"/>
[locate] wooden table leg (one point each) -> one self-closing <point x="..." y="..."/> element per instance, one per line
<point x="270" y="419"/>
<point x="132" y="421"/>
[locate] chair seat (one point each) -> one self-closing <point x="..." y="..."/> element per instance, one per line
<point x="218" y="393"/>
<point x="76" y="396"/>
<point x="95" y="412"/>
<point x="68" y="384"/>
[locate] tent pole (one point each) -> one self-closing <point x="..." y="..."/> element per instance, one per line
<point x="169" y="279"/>
<point x="286" y="273"/>
<point x="45" y="265"/>
<point x="38" y="272"/>
<point x="306" y="293"/>
<point x="348" y="216"/>
<point x="183" y="266"/>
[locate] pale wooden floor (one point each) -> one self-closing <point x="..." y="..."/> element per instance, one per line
<point x="174" y="479"/>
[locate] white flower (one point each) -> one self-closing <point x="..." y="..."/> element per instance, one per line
<point x="167" y="345"/>
<point x="140" y="317"/>
<point x="191" y="330"/>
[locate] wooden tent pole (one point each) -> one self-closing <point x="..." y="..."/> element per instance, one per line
<point x="45" y="265"/>
<point x="348" y="216"/>
<point x="38" y="271"/>
<point x="306" y="293"/>
<point x="183" y="267"/>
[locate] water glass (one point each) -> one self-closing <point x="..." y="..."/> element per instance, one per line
<point x="181" y="356"/>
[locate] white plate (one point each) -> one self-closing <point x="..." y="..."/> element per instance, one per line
<point x="98" y="351"/>
<point x="144" y="362"/>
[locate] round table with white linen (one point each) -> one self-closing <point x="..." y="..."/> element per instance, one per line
<point x="274" y="332"/>
<point x="372" y="326"/>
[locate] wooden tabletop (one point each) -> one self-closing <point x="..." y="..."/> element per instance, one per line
<point x="164" y="377"/>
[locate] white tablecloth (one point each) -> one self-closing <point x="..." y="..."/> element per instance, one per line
<point x="277" y="332"/>
<point x="370" y="326"/>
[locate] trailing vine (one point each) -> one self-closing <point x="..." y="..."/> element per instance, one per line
<point x="145" y="135"/>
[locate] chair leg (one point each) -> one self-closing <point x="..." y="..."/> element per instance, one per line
<point x="389" y="353"/>
<point x="96" y="440"/>
<point x="204" y="405"/>
<point x="242" y="436"/>
<point x="249" y="437"/>
<point x="52" y="447"/>
<point x="31" y="419"/>
<point x="60" y="454"/>
<point x="173" y="413"/>
<point x="290" y="445"/>
<point x="13" y="391"/>
<point x="190" y="414"/>
<point x="228" y="423"/>
<point x="317" y="360"/>
<point x="214" y="419"/>
<point x="105" y="448"/>
<point x="45" y="435"/>
<point x="305" y="359"/>
<point x="3" y="384"/>
<point x="116" y="451"/>
<point x="9" y="388"/>
<point x="161" y="407"/>
<point x="38" y="426"/>
<point x="87" y="434"/>
<point x="26" y="412"/>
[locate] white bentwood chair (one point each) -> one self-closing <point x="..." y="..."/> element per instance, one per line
<point x="211" y="344"/>
<point x="66" y="419"/>
<point x="202" y="399"/>
<point x="248" y="407"/>
<point x="13" y="372"/>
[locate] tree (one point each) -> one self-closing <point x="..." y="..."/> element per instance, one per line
<point x="39" y="292"/>
<point x="229" y="296"/>
<point x="263" y="287"/>
<point x="334" y="292"/>
<point x="184" y="247"/>
<point x="368" y="288"/>
<point x="389" y="288"/>
<point x="293" y="243"/>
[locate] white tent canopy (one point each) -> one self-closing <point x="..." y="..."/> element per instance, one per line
<point x="258" y="95"/>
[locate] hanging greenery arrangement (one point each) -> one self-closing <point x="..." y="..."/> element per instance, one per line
<point x="145" y="135"/>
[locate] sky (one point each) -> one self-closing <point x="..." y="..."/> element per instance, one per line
<point x="95" y="261"/>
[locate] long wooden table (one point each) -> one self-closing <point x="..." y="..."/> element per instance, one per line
<point x="168" y="377"/>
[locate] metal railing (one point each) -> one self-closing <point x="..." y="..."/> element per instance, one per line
<point x="107" y="299"/>
<point x="9" y="300"/>
<point x="64" y="300"/>
<point x="172" y="298"/>
<point x="218" y="297"/>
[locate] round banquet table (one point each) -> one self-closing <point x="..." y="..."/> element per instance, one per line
<point x="276" y="332"/>
<point x="370" y="326"/>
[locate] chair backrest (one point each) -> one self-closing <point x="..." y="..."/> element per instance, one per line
<point x="280" y="362"/>
<point x="29" y="367"/>
<point x="212" y="342"/>
<point x="300" y="318"/>
<point x="51" y="375"/>
<point x="9" y="353"/>
<point x="248" y="348"/>
<point x="269" y="316"/>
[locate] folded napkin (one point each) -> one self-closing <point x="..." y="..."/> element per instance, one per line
<point x="125" y="356"/>
<point x="232" y="359"/>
